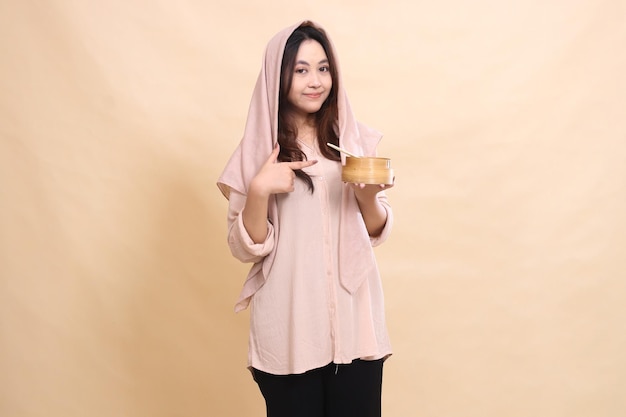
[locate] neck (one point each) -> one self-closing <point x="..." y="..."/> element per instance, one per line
<point x="306" y="130"/>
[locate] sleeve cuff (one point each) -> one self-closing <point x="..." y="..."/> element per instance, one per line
<point x="242" y="244"/>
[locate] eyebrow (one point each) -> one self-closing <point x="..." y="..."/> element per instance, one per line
<point x="323" y="61"/>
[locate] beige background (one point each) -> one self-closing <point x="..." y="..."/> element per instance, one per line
<point x="505" y="274"/>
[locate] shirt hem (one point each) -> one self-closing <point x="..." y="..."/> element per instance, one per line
<point x="299" y="371"/>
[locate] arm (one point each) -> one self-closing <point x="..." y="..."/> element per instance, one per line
<point x="372" y="209"/>
<point x="254" y="215"/>
<point x="239" y="241"/>
<point x="273" y="178"/>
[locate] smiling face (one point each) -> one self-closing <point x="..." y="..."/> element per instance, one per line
<point x="311" y="81"/>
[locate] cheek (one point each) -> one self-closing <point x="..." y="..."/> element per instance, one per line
<point x="296" y="88"/>
<point x="293" y="93"/>
<point x="329" y="84"/>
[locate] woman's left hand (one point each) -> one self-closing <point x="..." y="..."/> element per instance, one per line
<point x="374" y="214"/>
<point x="365" y="191"/>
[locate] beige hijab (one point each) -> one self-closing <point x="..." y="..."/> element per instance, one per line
<point x="260" y="137"/>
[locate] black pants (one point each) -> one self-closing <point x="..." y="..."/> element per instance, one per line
<point x="352" y="390"/>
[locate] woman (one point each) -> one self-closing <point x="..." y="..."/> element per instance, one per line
<point x="318" y="337"/>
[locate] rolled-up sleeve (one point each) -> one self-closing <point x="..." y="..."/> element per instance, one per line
<point x="377" y="240"/>
<point x="239" y="241"/>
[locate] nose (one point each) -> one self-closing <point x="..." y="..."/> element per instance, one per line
<point x="314" y="81"/>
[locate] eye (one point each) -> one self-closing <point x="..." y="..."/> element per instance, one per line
<point x="325" y="68"/>
<point x="300" y="71"/>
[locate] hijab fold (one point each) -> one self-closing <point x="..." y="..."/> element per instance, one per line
<point x="259" y="138"/>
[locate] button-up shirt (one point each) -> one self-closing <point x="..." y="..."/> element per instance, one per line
<point x="302" y="318"/>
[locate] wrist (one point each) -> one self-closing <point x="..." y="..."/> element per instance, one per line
<point x="365" y="195"/>
<point x="257" y="191"/>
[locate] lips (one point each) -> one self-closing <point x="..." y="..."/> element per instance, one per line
<point x="314" y="96"/>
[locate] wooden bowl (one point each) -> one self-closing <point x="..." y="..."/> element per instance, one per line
<point x="367" y="170"/>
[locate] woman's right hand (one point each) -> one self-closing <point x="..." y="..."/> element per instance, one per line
<point x="273" y="178"/>
<point x="276" y="177"/>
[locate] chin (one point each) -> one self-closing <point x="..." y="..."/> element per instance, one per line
<point x="313" y="109"/>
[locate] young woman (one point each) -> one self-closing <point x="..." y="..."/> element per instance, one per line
<point x="318" y="337"/>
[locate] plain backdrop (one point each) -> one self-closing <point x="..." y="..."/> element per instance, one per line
<point x="505" y="275"/>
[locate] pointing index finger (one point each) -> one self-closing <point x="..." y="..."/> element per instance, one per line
<point x="301" y="164"/>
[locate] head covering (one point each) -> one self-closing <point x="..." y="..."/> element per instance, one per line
<point x="261" y="132"/>
<point x="261" y="135"/>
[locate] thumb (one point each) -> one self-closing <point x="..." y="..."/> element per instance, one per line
<point x="273" y="156"/>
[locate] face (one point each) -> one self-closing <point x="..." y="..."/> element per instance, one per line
<point x="311" y="80"/>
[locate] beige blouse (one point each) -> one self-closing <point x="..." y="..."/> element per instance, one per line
<point x="302" y="318"/>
